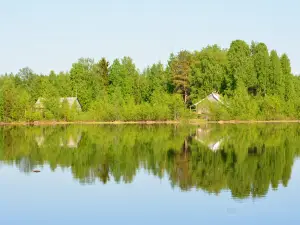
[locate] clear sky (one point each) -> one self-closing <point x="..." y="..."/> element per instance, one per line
<point x="52" y="34"/>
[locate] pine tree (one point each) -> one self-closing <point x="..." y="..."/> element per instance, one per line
<point x="285" y="64"/>
<point x="101" y="71"/>
<point x="262" y="65"/>
<point x="180" y="69"/>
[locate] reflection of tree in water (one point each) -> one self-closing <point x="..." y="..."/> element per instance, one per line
<point x="247" y="161"/>
<point x="25" y="165"/>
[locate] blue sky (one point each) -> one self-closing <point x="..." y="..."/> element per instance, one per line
<point x="52" y="34"/>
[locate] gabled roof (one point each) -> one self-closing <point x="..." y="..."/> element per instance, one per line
<point x="39" y="102"/>
<point x="70" y="100"/>
<point x="213" y="97"/>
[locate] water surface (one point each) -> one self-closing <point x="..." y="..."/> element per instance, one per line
<point x="150" y="174"/>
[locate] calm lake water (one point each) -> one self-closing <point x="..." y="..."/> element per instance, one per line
<point x="150" y="174"/>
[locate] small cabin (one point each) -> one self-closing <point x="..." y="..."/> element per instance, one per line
<point x="39" y="105"/>
<point x="204" y="105"/>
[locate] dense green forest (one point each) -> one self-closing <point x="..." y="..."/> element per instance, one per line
<point x="255" y="82"/>
<point x="248" y="160"/>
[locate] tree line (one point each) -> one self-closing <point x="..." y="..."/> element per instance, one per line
<point x="256" y="83"/>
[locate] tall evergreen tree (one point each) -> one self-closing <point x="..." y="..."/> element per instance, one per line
<point x="180" y="70"/>
<point x="241" y="65"/>
<point x="285" y="64"/>
<point x="101" y="71"/>
<point x="275" y="76"/>
<point x="289" y="90"/>
<point x="262" y="65"/>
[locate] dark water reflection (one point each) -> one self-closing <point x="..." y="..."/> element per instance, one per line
<point x="245" y="159"/>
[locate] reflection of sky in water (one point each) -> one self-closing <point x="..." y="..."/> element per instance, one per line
<point x="55" y="198"/>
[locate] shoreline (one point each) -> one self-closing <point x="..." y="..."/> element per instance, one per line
<point x="37" y="123"/>
<point x="191" y="122"/>
<point x="253" y="121"/>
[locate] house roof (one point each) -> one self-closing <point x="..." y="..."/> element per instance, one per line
<point x="211" y="97"/>
<point x="70" y="100"/>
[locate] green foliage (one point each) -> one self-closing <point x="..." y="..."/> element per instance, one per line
<point x="123" y="77"/>
<point x="180" y="68"/>
<point x="262" y="65"/>
<point x="14" y="101"/>
<point x="161" y="107"/>
<point x="285" y="64"/>
<point x="100" y="71"/>
<point x="80" y="76"/>
<point x="241" y="65"/>
<point x="253" y="83"/>
<point x="1" y="106"/>
<point x="208" y="72"/>
<point x="242" y="106"/>
<point x="52" y="107"/>
<point x="276" y="81"/>
<point x="271" y="108"/>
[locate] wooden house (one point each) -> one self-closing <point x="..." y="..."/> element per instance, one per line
<point x="204" y="105"/>
<point x="40" y="103"/>
<point x="209" y="107"/>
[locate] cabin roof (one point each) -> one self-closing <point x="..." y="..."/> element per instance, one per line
<point x="211" y="97"/>
<point x="70" y="100"/>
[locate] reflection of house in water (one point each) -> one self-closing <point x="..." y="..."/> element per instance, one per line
<point x="71" y="142"/>
<point x="68" y="141"/>
<point x="205" y="137"/>
<point x="40" y="140"/>
<point x="25" y="164"/>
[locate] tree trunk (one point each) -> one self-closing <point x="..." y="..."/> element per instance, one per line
<point x="185" y="96"/>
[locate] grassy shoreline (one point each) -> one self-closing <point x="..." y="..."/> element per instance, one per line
<point x="191" y="121"/>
